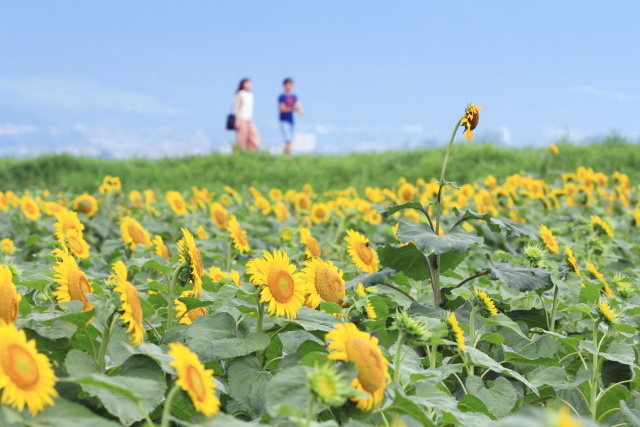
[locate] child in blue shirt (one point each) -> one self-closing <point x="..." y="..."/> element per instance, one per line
<point x="287" y="104"/>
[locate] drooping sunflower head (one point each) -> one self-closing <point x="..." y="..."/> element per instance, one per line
<point x="572" y="263"/>
<point x="219" y="215"/>
<point x="327" y="385"/>
<point x="606" y="314"/>
<point x="159" y="247"/>
<point x="455" y="332"/>
<point x="73" y="283"/>
<point x="187" y="317"/>
<point x="131" y="308"/>
<point x="470" y="120"/>
<point x="362" y="255"/>
<point x="238" y="235"/>
<point x="415" y="331"/>
<point x="483" y="300"/>
<point x="177" y="202"/>
<point x="554" y="148"/>
<point x="601" y="227"/>
<point x="347" y="343"/>
<point x="26" y="376"/>
<point x="194" y="379"/>
<point x="134" y="234"/>
<point x="9" y="296"/>
<point x="313" y="247"/>
<point x="190" y="253"/>
<point x="76" y="245"/>
<point x="283" y="288"/>
<point x="324" y="281"/>
<point x="86" y="203"/>
<point x="7" y="246"/>
<point x="548" y="239"/>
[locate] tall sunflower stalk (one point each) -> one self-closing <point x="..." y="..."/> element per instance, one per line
<point x="469" y="121"/>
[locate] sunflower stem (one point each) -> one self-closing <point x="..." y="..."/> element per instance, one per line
<point x="594" y="379"/>
<point x="472" y="326"/>
<point x="166" y="411"/>
<point x="172" y="288"/>
<point x="106" y="336"/>
<point x="229" y="259"/>
<point x="260" y="315"/>
<point x="554" y="309"/>
<point x="397" y="360"/>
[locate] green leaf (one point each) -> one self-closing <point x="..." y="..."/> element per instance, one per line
<point x="247" y="383"/>
<point x="37" y="281"/>
<point x="500" y="398"/>
<point x="214" y="337"/>
<point x="480" y="358"/>
<point x="496" y="225"/>
<point x="611" y="400"/>
<point x="408" y="205"/>
<point x="224" y="296"/>
<point x="630" y="416"/>
<point x="426" y="240"/>
<point x="191" y="302"/>
<point x="405" y="406"/>
<point x="448" y="260"/>
<point x="314" y="320"/>
<point x="287" y="392"/>
<point x="370" y="279"/>
<point x="69" y="414"/>
<point x="79" y="319"/>
<point x="520" y="278"/>
<point x="492" y="338"/>
<point x="622" y="353"/>
<point x="156" y="263"/>
<point x="503" y="320"/>
<point x="408" y="259"/>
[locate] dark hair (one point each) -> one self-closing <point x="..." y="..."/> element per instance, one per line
<point x="287" y="80"/>
<point x="240" y="86"/>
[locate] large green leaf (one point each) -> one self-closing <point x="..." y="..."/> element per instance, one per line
<point x="408" y="259"/>
<point x="247" y="382"/>
<point x="370" y="279"/>
<point x="500" y="398"/>
<point x="520" y="278"/>
<point x="630" y="416"/>
<point x="480" y="358"/>
<point x="403" y="405"/>
<point x="287" y="392"/>
<point x="69" y="414"/>
<point x="408" y="205"/>
<point x="496" y="225"/>
<point x="215" y="337"/>
<point x="426" y="240"/>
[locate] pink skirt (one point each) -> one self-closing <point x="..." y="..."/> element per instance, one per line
<point x="247" y="135"/>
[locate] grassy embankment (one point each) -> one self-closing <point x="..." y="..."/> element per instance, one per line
<point x="468" y="162"/>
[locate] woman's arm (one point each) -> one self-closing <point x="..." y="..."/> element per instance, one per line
<point x="238" y="104"/>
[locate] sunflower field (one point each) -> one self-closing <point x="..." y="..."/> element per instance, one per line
<point x="489" y="303"/>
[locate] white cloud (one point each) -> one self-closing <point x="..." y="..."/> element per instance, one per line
<point x="609" y="94"/>
<point x="9" y="129"/>
<point x="83" y="94"/>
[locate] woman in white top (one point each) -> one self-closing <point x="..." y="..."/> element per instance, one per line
<point x="247" y="136"/>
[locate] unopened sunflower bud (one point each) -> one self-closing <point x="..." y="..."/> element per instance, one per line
<point x="415" y="331"/>
<point x="535" y="253"/>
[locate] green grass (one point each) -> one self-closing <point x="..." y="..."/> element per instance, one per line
<point x="468" y="162"/>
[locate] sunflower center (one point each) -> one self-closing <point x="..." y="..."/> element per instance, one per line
<point x="314" y="247"/>
<point x="329" y="285"/>
<point x="134" y="302"/>
<point x="20" y="366"/>
<point x="196" y="261"/>
<point x="221" y="217"/>
<point x="281" y="285"/>
<point x="136" y="233"/>
<point x="325" y="387"/>
<point x="320" y="213"/>
<point x="303" y="203"/>
<point x="8" y="304"/>
<point x="364" y="252"/>
<point x="78" y="287"/>
<point x="178" y="204"/>
<point x="240" y="237"/>
<point x="30" y="208"/>
<point x="369" y="362"/>
<point x="84" y="206"/>
<point x="195" y="312"/>
<point x="75" y="245"/>
<point x="195" y="382"/>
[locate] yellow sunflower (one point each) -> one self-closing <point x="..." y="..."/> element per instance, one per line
<point x="134" y="234"/>
<point x="600" y="226"/>
<point x="275" y="194"/>
<point x="281" y="211"/>
<point x="113" y="182"/>
<point x="30" y="208"/>
<point x="371" y="312"/>
<point x="283" y="289"/>
<point x="263" y="204"/>
<point x="160" y="248"/>
<point x="194" y="379"/>
<point x="607" y="316"/>
<point x="485" y="302"/>
<point x="406" y="193"/>
<point x="320" y="213"/>
<point x="571" y="260"/>
<point x="7" y="246"/>
<point x="238" y="235"/>
<point x="66" y="220"/>
<point x="217" y="274"/>
<point x="26" y="376"/>
<point x="201" y="233"/>
<point x="9" y="296"/>
<point x="470" y="120"/>
<point x="52" y="208"/>
<point x="131" y="308"/>
<point x="177" y="202"/>
<point x="455" y="332"/>
<point x="324" y="282"/>
<point x="86" y="203"/>
<point x="74" y="284"/>
<point x="347" y="343"/>
<point x="235" y="277"/>
<point x="313" y="248"/>
<point x="219" y="215"/>
<point x="597" y="275"/>
<point x="554" y="149"/>
<point x="302" y="202"/>
<point x="76" y="244"/>
<point x="191" y="254"/>
<point x="548" y="239"/>
<point x="187" y="317"/>
<point x="365" y="258"/>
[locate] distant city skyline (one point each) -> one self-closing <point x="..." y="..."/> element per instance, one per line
<point x="119" y="79"/>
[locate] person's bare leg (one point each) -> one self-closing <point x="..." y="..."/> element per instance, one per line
<point x="287" y="148"/>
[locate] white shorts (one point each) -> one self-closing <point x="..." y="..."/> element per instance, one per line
<point x="287" y="131"/>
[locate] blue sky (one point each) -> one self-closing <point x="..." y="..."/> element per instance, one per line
<point x="157" y="77"/>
